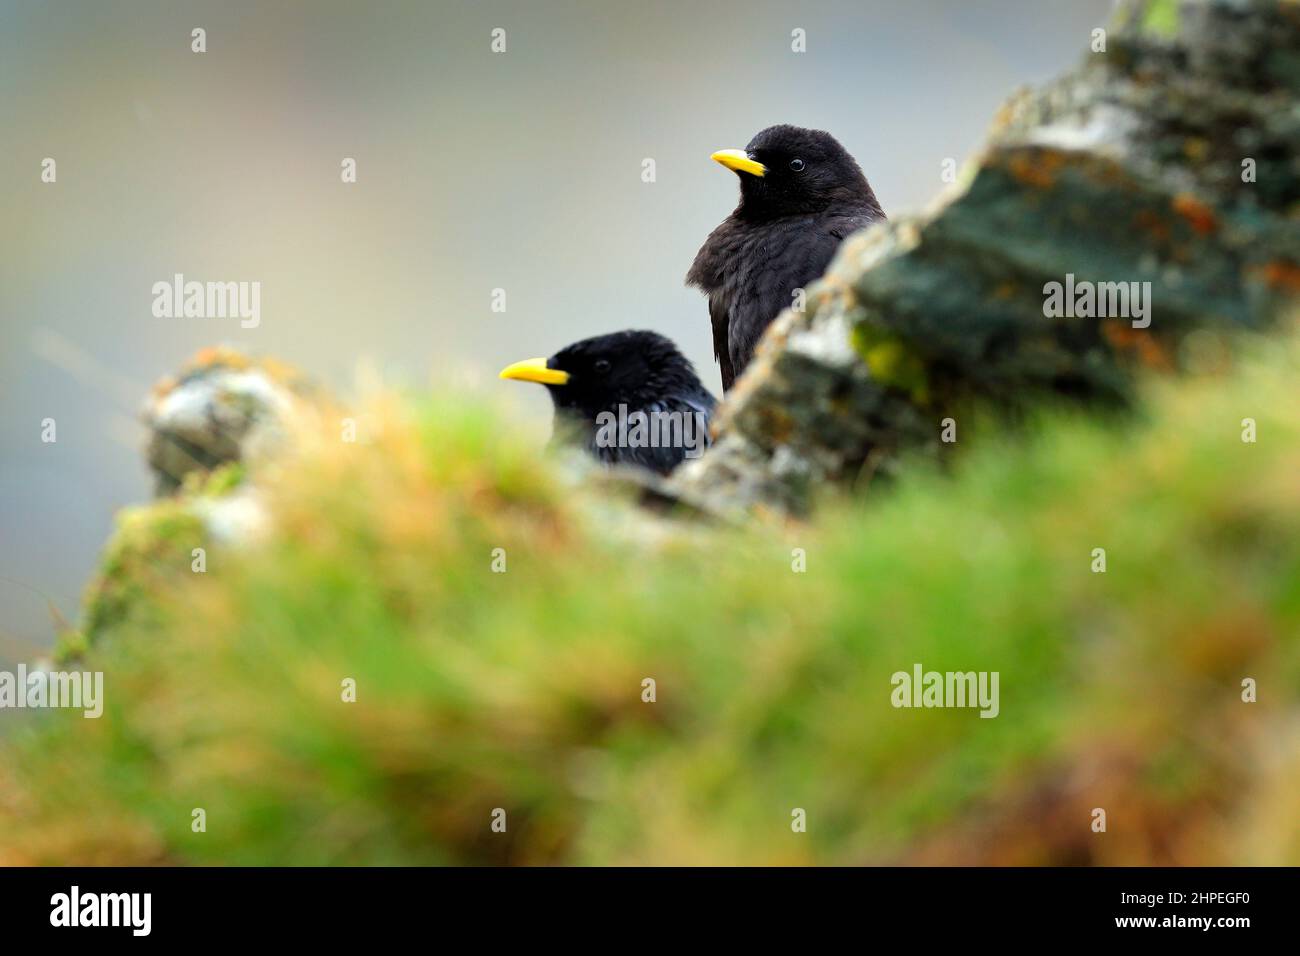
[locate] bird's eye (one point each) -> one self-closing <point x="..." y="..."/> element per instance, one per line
<point x="602" y="366"/>
<point x="796" y="165"/>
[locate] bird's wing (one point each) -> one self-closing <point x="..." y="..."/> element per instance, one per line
<point x="837" y="228"/>
<point x="796" y="260"/>
<point x="700" y="402"/>
<point x="720" y="316"/>
<point x="709" y="274"/>
<point x="677" y="429"/>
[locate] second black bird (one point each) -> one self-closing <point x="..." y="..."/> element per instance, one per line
<point x="800" y="194"/>
<point x="627" y="397"/>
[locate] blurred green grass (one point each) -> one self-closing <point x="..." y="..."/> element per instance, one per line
<point x="522" y="690"/>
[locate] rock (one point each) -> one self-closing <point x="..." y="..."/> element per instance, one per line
<point x="223" y="407"/>
<point x="1170" y="160"/>
<point x="212" y="426"/>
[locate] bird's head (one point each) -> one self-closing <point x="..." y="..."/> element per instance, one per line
<point x="595" y="375"/>
<point x="788" y="170"/>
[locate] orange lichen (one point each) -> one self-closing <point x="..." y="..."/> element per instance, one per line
<point x="1038" y="169"/>
<point x="1139" y="342"/>
<point x="218" y="355"/>
<point x="1197" y="214"/>
<point x="1281" y="275"/>
<point x="1148" y="222"/>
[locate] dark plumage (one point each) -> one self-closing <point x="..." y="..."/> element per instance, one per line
<point x="603" y="386"/>
<point x="800" y="194"/>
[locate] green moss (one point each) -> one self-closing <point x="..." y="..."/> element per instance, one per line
<point x="151" y="548"/>
<point x="221" y="481"/>
<point x="150" y="544"/>
<point x="1161" y="18"/>
<point x="891" y="362"/>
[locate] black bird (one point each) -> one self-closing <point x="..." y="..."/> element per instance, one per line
<point x="627" y="397"/>
<point x="800" y="194"/>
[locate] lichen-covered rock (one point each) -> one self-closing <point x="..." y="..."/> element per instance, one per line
<point x="211" y="426"/>
<point x="1169" y="160"/>
<point x="222" y="407"/>
<point x="153" y="546"/>
<point x="220" y="416"/>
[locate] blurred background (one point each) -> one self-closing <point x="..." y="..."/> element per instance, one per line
<point x="476" y="171"/>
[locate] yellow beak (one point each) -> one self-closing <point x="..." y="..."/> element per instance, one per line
<point x="535" y="370"/>
<point x="737" y="160"/>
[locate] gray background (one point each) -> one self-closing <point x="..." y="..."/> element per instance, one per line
<point x="476" y="171"/>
